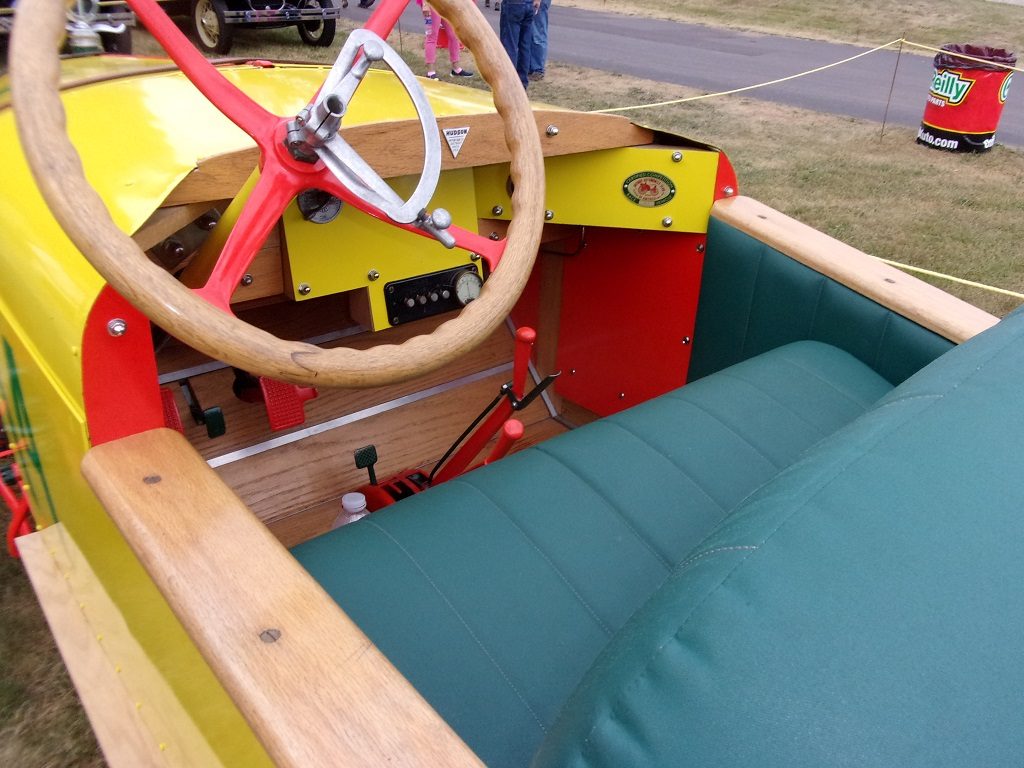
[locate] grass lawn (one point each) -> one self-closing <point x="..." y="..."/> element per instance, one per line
<point x="884" y="194"/>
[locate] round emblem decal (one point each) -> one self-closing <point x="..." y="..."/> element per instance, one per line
<point x="649" y="189"/>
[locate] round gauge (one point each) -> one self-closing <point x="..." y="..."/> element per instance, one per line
<point x="467" y="286"/>
<point x="318" y="206"/>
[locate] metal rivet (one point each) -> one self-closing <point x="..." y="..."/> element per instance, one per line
<point x="700" y="247"/>
<point x="677" y="157"/>
<point x="549" y="215"/>
<point x="152" y="479"/>
<point x="622" y="395"/>
<point x="304" y="289"/>
<point x="667" y="221"/>
<point x="270" y="635"/>
<point x="246" y="280"/>
<point x="497" y="210"/>
<point x="686" y="339"/>
<point x="117" y="327"/>
<point x="728" y="191"/>
<point x="394" y="321"/>
<point x="474" y="257"/>
<point x="552" y="130"/>
<point x="572" y="372"/>
<point x="372" y="275"/>
<point x="494" y="236"/>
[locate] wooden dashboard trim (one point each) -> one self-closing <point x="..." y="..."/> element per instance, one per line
<point x="221" y="176"/>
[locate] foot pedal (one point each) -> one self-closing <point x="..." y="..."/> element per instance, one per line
<point x="172" y="419"/>
<point x="286" y="403"/>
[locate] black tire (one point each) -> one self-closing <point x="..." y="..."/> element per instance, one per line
<point x="117" y="42"/>
<point x="213" y="33"/>
<point x="320" y="33"/>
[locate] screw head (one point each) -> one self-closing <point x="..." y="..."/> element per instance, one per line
<point x="666" y="222"/>
<point x="552" y="130"/>
<point x="474" y="256"/>
<point x="497" y="210"/>
<point x="246" y="280"/>
<point x="304" y="289"/>
<point x="677" y="157"/>
<point x="728" y="191"/>
<point x="372" y="275"/>
<point x="117" y="327"/>
<point x="700" y="247"/>
<point x="686" y="340"/>
<point x="549" y="215"/>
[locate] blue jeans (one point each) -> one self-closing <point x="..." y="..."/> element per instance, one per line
<point x="515" y="25"/>
<point x="539" y="54"/>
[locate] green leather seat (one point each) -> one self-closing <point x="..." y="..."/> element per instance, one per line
<point x="865" y="608"/>
<point x="495" y="592"/>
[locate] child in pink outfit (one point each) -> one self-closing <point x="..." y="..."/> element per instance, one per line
<point x="439" y="32"/>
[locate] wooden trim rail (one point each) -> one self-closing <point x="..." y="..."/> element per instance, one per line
<point x="221" y="176"/>
<point x="915" y="299"/>
<point x="314" y="688"/>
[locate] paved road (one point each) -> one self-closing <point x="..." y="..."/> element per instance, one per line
<point x="714" y="59"/>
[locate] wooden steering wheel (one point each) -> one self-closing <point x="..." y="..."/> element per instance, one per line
<point x="297" y="152"/>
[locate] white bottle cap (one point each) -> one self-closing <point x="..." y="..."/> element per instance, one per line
<point x="353" y="503"/>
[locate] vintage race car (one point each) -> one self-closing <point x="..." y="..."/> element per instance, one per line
<point x="361" y="419"/>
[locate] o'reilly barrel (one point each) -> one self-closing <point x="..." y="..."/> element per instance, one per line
<point x="966" y="98"/>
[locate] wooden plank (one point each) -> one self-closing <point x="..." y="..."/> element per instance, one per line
<point x="293" y="477"/>
<point x="313" y="687"/>
<point x="915" y="299"/>
<point x="136" y="717"/>
<point x="247" y="422"/>
<point x="221" y="176"/>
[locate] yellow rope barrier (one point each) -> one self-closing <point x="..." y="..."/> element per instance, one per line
<point x="752" y="87"/>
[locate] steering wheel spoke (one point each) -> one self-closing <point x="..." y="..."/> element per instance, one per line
<point x="274" y="190"/>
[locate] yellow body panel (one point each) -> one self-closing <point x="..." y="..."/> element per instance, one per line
<point x="358" y="239"/>
<point x="588" y="189"/>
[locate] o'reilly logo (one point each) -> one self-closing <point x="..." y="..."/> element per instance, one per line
<point x="950" y="86"/>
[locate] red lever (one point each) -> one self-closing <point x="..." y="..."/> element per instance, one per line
<point x="511" y="431"/>
<point x="499" y="417"/>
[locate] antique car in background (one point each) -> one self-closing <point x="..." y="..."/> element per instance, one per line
<point x="360" y="419"/>
<point x="214" y="21"/>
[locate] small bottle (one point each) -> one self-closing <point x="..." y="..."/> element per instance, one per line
<point x="353" y="507"/>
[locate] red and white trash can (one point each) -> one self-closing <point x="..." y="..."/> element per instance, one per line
<point x="966" y="98"/>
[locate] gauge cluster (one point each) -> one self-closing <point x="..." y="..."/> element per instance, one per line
<point x="427" y="295"/>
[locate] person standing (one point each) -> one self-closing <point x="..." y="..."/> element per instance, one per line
<point x="539" y="54"/>
<point x="515" y="26"/>
<point x="439" y="32"/>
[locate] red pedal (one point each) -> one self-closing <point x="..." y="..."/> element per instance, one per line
<point x="172" y="419"/>
<point x="286" y="403"/>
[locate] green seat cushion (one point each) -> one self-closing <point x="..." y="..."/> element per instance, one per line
<point x="494" y="592"/>
<point x="863" y="608"/>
